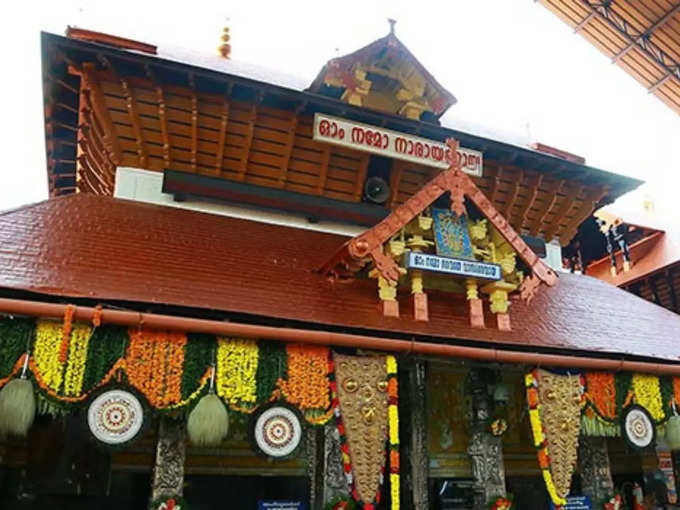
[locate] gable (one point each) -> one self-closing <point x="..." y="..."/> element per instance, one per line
<point x="497" y="243"/>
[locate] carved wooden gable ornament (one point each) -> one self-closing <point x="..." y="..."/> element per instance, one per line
<point x="429" y="247"/>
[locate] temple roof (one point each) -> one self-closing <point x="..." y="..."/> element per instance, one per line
<point x="92" y="249"/>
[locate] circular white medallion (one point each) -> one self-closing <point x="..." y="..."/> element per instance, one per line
<point x="638" y="427"/>
<point x="278" y="431"/>
<point x="115" y="417"/>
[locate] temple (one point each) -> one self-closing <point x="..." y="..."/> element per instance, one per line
<point x="251" y="290"/>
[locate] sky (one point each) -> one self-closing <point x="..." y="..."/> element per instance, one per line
<point x="515" y="68"/>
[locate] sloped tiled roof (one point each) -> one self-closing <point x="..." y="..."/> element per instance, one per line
<point x="105" y="249"/>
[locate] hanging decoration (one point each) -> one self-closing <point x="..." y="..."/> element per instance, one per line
<point x="237" y="362"/>
<point x="115" y="417"/>
<point x="153" y="365"/>
<point x="498" y="427"/>
<point x="361" y="409"/>
<point x="169" y="503"/>
<point x="672" y="432"/>
<point x="307" y="384"/>
<point x="647" y="393"/>
<point x="601" y="393"/>
<point x="554" y="412"/>
<point x="208" y="422"/>
<point x="393" y="417"/>
<point x="277" y="430"/>
<point x="17" y="405"/>
<point x="637" y="427"/>
<point x="501" y="504"/>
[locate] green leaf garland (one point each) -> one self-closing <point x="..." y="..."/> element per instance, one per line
<point x="16" y="335"/>
<point x="198" y="356"/>
<point x="105" y="347"/>
<point x="271" y="365"/>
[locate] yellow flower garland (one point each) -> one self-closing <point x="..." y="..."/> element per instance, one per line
<point x="647" y="393"/>
<point x="48" y="338"/>
<point x="77" y="355"/>
<point x="393" y="421"/>
<point x="236" y="369"/>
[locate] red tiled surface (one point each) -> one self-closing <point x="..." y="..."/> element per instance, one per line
<point x="107" y="249"/>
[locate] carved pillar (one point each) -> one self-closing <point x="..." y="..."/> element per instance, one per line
<point x="593" y="461"/>
<point x="485" y="450"/>
<point x="415" y="462"/>
<point x="335" y="483"/>
<point x="168" y="472"/>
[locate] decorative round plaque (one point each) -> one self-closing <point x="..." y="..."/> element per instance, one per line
<point x="277" y="430"/>
<point x="115" y="417"/>
<point x="638" y="427"/>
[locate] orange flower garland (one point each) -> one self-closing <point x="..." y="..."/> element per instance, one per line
<point x="676" y="390"/>
<point x="601" y="393"/>
<point x="66" y="333"/>
<point x="154" y="363"/>
<point x="307" y="383"/>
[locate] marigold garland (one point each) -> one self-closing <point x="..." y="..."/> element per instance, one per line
<point x="154" y="363"/>
<point x="393" y="416"/>
<point x="531" y="382"/>
<point x="307" y="383"/>
<point x="601" y="393"/>
<point x="46" y="354"/>
<point x="237" y="361"/>
<point x="648" y="394"/>
<point x="75" y="363"/>
<point x="66" y="333"/>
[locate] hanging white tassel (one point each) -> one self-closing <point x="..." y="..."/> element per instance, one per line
<point x="208" y="422"/>
<point x="17" y="405"/>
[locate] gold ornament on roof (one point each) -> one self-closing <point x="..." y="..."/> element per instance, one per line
<point x="224" y="49"/>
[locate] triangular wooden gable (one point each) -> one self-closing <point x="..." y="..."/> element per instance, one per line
<point x="368" y="247"/>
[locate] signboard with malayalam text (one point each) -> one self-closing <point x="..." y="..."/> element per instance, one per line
<point x="460" y="267"/>
<point x="281" y="505"/>
<point x="392" y="144"/>
<point x="576" y="503"/>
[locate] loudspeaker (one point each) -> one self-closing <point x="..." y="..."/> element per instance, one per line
<point x="376" y="190"/>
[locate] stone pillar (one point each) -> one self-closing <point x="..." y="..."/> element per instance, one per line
<point x="485" y="450"/>
<point x="168" y="472"/>
<point x="593" y="463"/>
<point x="335" y="483"/>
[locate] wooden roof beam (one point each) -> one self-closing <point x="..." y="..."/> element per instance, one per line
<point x="590" y="202"/>
<point x="194" y="121"/>
<point x="134" y="120"/>
<point x="647" y="33"/>
<point x="534" y="183"/>
<point x="288" y="151"/>
<point x="243" y="165"/>
<point x="581" y="25"/>
<point x="395" y="181"/>
<point x="95" y="96"/>
<point x="222" y="138"/>
<point x="567" y="204"/>
<point x="162" y="115"/>
<point x="513" y="196"/>
<point x="661" y="82"/>
<point x="554" y="190"/>
<point x="671" y="287"/>
<point x="361" y="176"/>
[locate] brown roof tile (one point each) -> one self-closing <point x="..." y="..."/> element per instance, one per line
<point x="107" y="249"/>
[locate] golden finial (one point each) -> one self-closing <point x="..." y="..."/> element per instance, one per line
<point x="225" y="48"/>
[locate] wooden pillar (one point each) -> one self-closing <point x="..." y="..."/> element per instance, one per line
<point x="596" y="476"/>
<point x="485" y="450"/>
<point x="414" y="458"/>
<point x="168" y="472"/>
